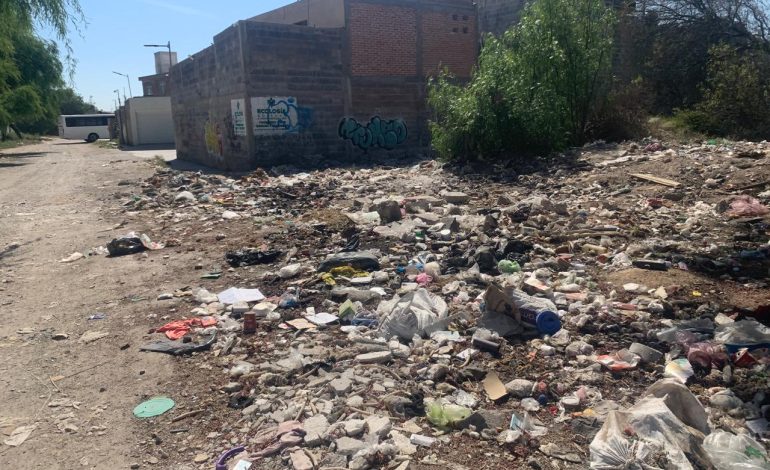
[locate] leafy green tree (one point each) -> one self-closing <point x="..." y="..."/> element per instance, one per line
<point x="30" y="71"/>
<point x="534" y="90"/>
<point x="72" y="103"/>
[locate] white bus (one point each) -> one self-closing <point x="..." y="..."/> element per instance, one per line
<point x="89" y="127"/>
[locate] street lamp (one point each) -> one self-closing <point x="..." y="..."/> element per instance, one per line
<point x="168" y="74"/>
<point x="127" y="80"/>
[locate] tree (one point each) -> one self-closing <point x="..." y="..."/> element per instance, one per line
<point x="72" y="103"/>
<point x="672" y="40"/>
<point x="30" y="71"/>
<point x="534" y="90"/>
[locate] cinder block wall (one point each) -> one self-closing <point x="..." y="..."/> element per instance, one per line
<point x="353" y="94"/>
<point x="202" y="88"/>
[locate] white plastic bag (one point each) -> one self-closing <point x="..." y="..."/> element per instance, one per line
<point x="731" y="452"/>
<point x="418" y="312"/>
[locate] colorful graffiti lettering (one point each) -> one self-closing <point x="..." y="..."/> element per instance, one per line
<point x="279" y="115"/>
<point x="376" y="133"/>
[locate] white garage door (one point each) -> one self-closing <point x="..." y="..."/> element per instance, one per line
<point x="154" y="128"/>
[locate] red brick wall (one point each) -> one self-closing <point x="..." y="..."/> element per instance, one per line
<point x="448" y="40"/>
<point x="383" y="40"/>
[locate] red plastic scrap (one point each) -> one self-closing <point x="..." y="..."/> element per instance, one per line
<point x="177" y="329"/>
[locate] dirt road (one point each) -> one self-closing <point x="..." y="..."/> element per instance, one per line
<point x="56" y="198"/>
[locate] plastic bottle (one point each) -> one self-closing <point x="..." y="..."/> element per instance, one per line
<point x="537" y="313"/>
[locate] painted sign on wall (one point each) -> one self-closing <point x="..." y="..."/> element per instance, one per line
<point x="375" y="133"/>
<point x="278" y="115"/>
<point x="238" y="111"/>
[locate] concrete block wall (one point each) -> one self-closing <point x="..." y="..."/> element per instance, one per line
<point x="286" y="61"/>
<point x="354" y="94"/>
<point x="202" y="88"/>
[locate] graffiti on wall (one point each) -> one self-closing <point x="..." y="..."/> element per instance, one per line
<point x="212" y="135"/>
<point x="376" y="133"/>
<point x="279" y="115"/>
<point x="238" y="114"/>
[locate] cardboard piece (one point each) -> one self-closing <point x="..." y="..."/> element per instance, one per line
<point x="494" y="386"/>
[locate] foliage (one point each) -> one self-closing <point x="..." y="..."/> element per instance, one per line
<point x="623" y="115"/>
<point x="72" y="103"/>
<point x="671" y="39"/>
<point x="736" y="96"/>
<point x="30" y="69"/>
<point x="534" y="89"/>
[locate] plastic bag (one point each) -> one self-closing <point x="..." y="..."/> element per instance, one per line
<point x="445" y="415"/>
<point x="743" y="334"/>
<point x="418" y="312"/>
<point x="731" y="452"/>
<point x="668" y="427"/>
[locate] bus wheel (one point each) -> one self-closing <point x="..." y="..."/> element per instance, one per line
<point x="92" y="137"/>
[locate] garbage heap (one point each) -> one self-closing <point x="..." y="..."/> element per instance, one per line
<point x="609" y="311"/>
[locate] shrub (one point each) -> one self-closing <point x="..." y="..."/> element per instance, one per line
<point x="534" y="89"/>
<point x="736" y="96"/>
<point x="623" y="115"/>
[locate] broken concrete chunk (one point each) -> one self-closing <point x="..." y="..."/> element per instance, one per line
<point x="389" y="211"/>
<point x="348" y="446"/>
<point x="455" y="197"/>
<point x="315" y="427"/>
<point x="376" y="357"/>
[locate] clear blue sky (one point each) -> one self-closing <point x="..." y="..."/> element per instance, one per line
<point x="116" y="31"/>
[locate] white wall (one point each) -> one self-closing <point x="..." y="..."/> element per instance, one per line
<point x="149" y="121"/>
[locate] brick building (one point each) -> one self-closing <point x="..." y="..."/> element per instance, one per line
<point x="157" y="83"/>
<point x="341" y="79"/>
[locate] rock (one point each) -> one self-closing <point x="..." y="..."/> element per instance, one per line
<point x="300" y="460"/>
<point x="437" y="372"/>
<point x="455" y="197"/>
<point x="184" y="196"/>
<point x="166" y="296"/>
<point x="484" y="419"/>
<point x="200" y="458"/>
<point x="241" y="368"/>
<point x="509" y="436"/>
<point x="725" y="400"/>
<point x="315" y="427"/>
<point x="288" y="272"/>
<point x="239" y="308"/>
<point x="228" y="215"/>
<point x="91" y="336"/>
<point x="389" y="211"/>
<point x="379" y="426"/>
<point x="520" y="388"/>
<point x="348" y="446"/>
<point x="363" y="260"/>
<point x="356" y="401"/>
<point x="232" y="387"/>
<point x="579" y="348"/>
<point x="403" y="443"/>
<point x="646" y="353"/>
<point x="354" y="427"/>
<point x="376" y="357"/>
<point x="332" y="460"/>
<point x="341" y="386"/>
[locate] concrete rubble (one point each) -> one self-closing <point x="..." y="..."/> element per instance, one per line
<point x="368" y="350"/>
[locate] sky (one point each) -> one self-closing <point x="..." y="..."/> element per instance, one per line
<point x="113" y="38"/>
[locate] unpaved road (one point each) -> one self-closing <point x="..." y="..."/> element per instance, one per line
<point x="56" y="198"/>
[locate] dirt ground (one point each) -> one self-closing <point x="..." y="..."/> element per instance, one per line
<point x="56" y="198"/>
<point x="60" y="197"/>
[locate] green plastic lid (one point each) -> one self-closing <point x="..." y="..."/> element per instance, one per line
<point x="153" y="407"/>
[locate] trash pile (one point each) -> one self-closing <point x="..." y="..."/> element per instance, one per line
<point x="608" y="312"/>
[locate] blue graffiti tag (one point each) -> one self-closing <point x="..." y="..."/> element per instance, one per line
<point x="376" y="133"/>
